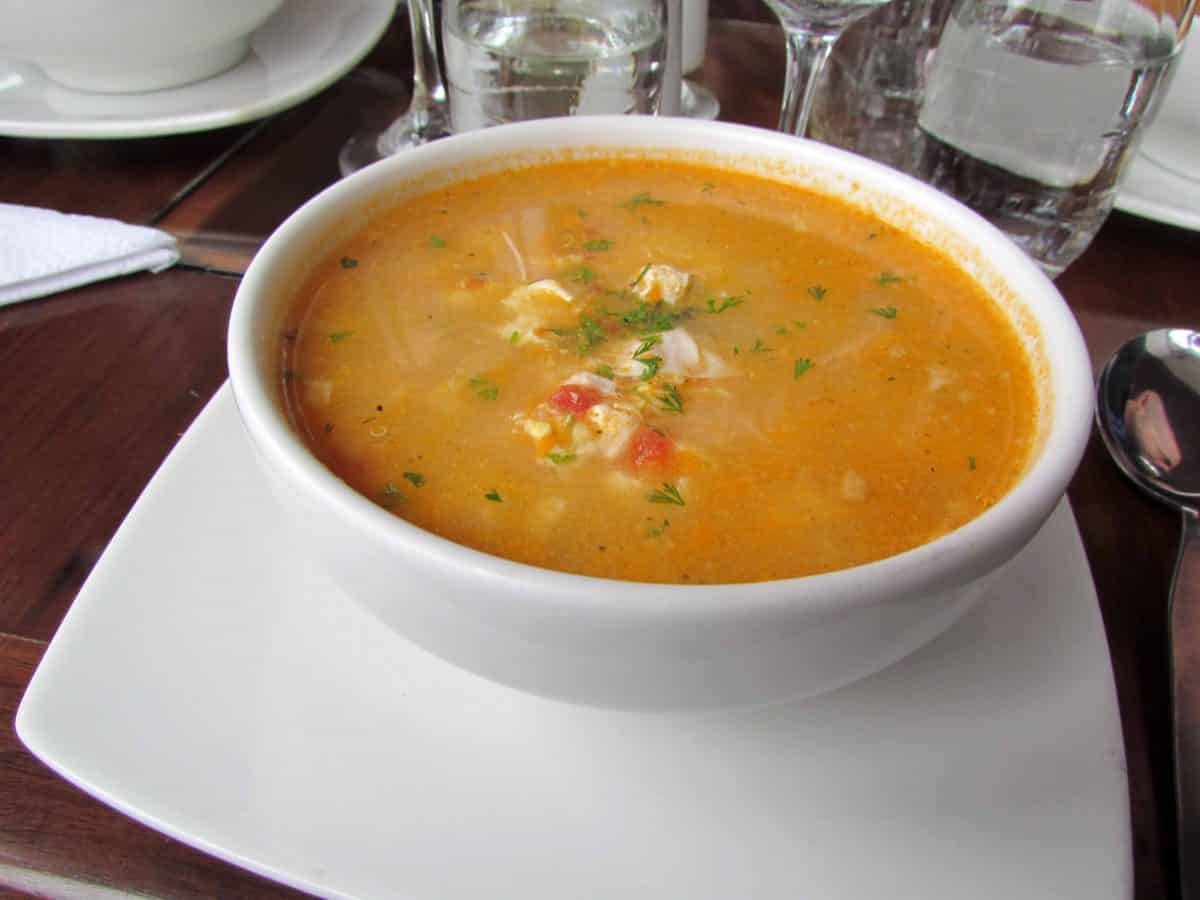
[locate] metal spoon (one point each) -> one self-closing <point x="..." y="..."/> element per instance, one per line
<point x="1148" y="410"/>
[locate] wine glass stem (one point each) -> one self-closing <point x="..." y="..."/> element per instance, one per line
<point x="428" y="87"/>
<point x="807" y="52"/>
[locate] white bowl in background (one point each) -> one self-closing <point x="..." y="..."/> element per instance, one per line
<point x="121" y="46"/>
<point x="653" y="646"/>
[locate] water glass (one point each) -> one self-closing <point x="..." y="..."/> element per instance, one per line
<point x="1029" y="110"/>
<point x="512" y="60"/>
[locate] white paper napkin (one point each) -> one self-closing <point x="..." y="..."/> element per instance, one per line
<point x="43" y="252"/>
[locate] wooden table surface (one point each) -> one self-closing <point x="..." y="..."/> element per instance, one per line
<point x="99" y="383"/>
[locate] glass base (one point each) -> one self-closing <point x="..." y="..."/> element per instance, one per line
<point x="414" y="128"/>
<point x="698" y="102"/>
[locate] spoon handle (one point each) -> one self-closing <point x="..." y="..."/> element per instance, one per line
<point x="1184" y="640"/>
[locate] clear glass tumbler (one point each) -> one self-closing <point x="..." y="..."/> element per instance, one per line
<point x="1034" y="107"/>
<point x="1028" y="111"/>
<point x="512" y="60"/>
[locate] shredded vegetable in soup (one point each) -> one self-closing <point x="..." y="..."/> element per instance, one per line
<point x="658" y="371"/>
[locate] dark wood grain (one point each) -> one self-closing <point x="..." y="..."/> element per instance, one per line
<point x="100" y="382"/>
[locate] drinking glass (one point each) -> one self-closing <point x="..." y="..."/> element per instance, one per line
<point x="426" y="118"/>
<point x="1033" y="109"/>
<point x="512" y="60"/>
<point x="812" y="28"/>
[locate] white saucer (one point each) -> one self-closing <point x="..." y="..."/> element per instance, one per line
<point x="304" y="47"/>
<point x="1152" y="192"/>
<point x="210" y="683"/>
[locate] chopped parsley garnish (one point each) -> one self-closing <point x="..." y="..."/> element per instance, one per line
<point x="582" y="213"/>
<point x="971" y="463"/>
<point x="484" y="389"/>
<point x="515" y="337"/>
<point x="668" y="493"/>
<point x="640" y="275"/>
<point x="642" y="198"/>
<point x="799" y="324"/>
<point x="391" y="494"/>
<point x="605" y="371"/>
<point x="349" y="262"/>
<point x="720" y="304"/>
<point x="801" y="366"/>
<point x="817" y="292"/>
<point x="338" y="336"/>
<point x="885" y="312"/>
<point x="598" y="244"/>
<point x="670" y="400"/>
<point x="559" y="458"/>
<point x="589" y="334"/>
<point x="436" y="241"/>
<point x="888" y="278"/>
<point x="650" y="317"/>
<point x="494" y="496"/>
<point x="782" y="330"/>
<point x="760" y="347"/>
<point x="582" y="275"/>
<point x="416" y="478"/>
<point x="650" y="363"/>
<point x="658" y="530"/>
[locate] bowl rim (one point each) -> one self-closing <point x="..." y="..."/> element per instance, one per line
<point x="967" y="552"/>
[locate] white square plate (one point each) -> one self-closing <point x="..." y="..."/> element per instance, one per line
<point x="212" y="684"/>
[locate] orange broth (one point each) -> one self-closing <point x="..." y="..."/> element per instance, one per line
<point x="658" y="371"/>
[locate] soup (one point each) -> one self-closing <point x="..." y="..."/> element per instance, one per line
<point x="659" y="371"/>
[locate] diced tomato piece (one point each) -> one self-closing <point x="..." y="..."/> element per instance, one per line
<point x="651" y="449"/>
<point x="575" y="398"/>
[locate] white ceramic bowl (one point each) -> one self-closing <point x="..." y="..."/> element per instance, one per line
<point x="637" y="645"/>
<point x="119" y="46"/>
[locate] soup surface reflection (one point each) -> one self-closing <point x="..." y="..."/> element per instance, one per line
<point x="658" y="371"/>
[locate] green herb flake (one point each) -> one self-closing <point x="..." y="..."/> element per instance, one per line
<point x="515" y="337"/>
<point x="885" y="312"/>
<point x="349" y="262"/>
<point x="582" y="213"/>
<point x="605" y="371"/>
<point x="799" y="324"/>
<point x="484" y="389"/>
<point x="582" y="275"/>
<point x="391" y="494"/>
<point x="643" y="198"/>
<point x="718" y="305"/>
<point x="415" y="478"/>
<point x="338" y="336"/>
<point x="494" y="496"/>
<point x="886" y="278"/>
<point x="437" y="242"/>
<point x="670" y="400"/>
<point x="559" y="458"/>
<point x="782" y="330"/>
<point x="971" y="463"/>
<point x="640" y="275"/>
<point x="760" y="347"/>
<point x="598" y="244"/>
<point x="817" y="292"/>
<point x="801" y="366"/>
<point x="658" y="530"/>
<point x="668" y="493"/>
<point x="707" y="188"/>
<point x="648" y="318"/>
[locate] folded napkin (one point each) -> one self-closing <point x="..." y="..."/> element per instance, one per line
<point x="43" y="251"/>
